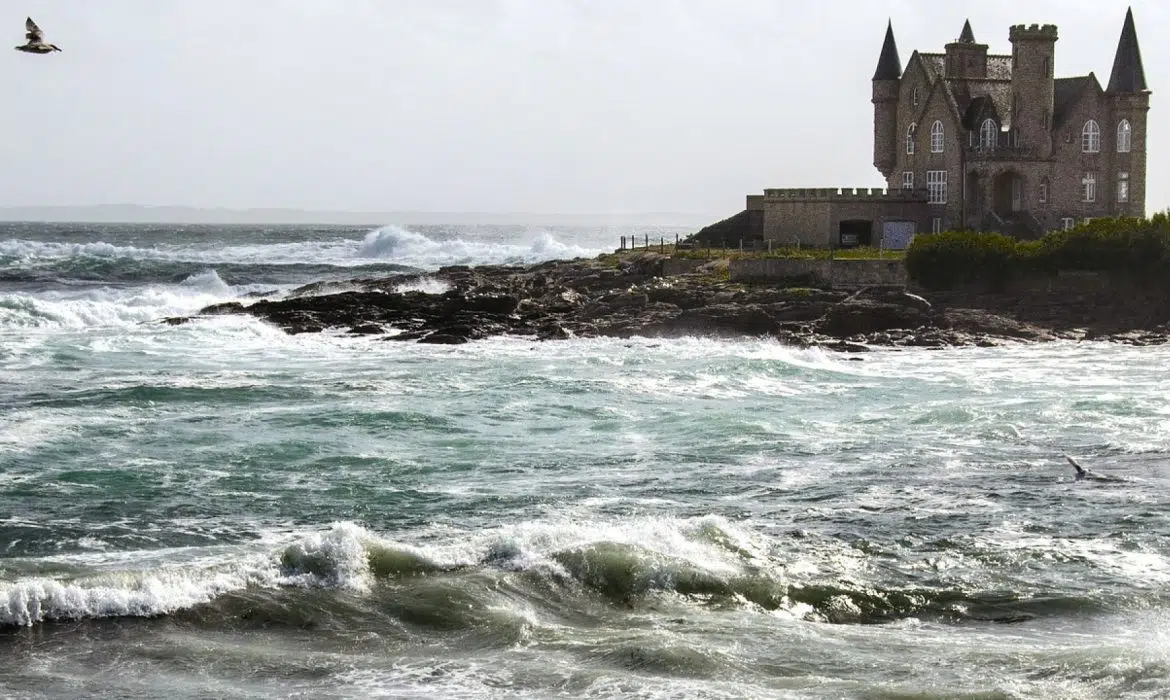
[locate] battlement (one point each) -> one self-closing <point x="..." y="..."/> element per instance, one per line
<point x="837" y="194"/>
<point x="1032" y="32"/>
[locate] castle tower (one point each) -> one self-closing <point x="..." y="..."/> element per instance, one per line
<point x="887" y="81"/>
<point x="966" y="58"/>
<point x="1130" y="101"/>
<point x="1033" y="57"/>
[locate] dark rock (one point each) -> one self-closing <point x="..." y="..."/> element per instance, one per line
<point x="367" y="329"/>
<point x="862" y="316"/>
<point x="590" y="298"/>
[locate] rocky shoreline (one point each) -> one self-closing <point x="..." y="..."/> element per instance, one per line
<point x="628" y="297"/>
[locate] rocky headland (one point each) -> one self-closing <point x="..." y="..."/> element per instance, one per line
<point x="629" y="296"/>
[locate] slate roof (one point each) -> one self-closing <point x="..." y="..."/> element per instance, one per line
<point x="1128" y="74"/>
<point x="889" y="65"/>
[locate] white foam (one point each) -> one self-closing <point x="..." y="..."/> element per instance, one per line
<point x="399" y="245"/>
<point x="125" y="594"/>
<point x="113" y="306"/>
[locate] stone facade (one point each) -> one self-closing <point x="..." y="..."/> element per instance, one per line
<point x="834" y="217"/>
<point x="999" y="143"/>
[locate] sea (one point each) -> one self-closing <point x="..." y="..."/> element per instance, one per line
<point x="221" y="510"/>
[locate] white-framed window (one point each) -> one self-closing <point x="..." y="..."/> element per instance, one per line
<point x="1122" y="187"/>
<point x="1067" y="222"/>
<point x="1091" y="137"/>
<point x="1089" y="185"/>
<point x="914" y="97"/>
<point x="936" y="183"/>
<point x="1124" y="136"/>
<point x="936" y="224"/>
<point x="908" y="180"/>
<point x="988" y="134"/>
<point x="936" y="137"/>
<point x="1043" y="194"/>
<point x="910" y="138"/>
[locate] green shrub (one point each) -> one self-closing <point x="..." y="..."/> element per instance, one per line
<point x="1138" y="248"/>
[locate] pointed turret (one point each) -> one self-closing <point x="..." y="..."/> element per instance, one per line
<point x="1128" y="73"/>
<point x="889" y="65"/>
<point x="967" y="36"/>
<point x="887" y="83"/>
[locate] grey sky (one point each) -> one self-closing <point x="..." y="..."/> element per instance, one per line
<point x="486" y="105"/>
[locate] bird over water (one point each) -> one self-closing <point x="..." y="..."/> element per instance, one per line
<point x="36" y="39"/>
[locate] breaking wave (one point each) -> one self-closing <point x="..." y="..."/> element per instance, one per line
<point x="570" y="567"/>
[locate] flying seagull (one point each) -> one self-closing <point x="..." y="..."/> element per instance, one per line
<point x="36" y="39"/>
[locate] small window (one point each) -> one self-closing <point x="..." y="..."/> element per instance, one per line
<point x="988" y="134"/>
<point x="1089" y="183"/>
<point x="936" y="137"/>
<point x="914" y="97"/>
<point x="1124" y="136"/>
<point x="908" y="180"/>
<point x="936" y="224"/>
<point x="1043" y="194"/>
<point x="1091" y="137"/>
<point x="936" y="184"/>
<point x="910" y="139"/>
<point x="1122" y="187"/>
<point x="1067" y="222"/>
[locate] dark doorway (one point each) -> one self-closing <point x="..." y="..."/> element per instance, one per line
<point x="855" y="233"/>
<point x="1009" y="193"/>
<point x="974" y="200"/>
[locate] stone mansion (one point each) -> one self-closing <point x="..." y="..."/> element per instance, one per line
<point x="983" y="141"/>
<point x="1000" y="143"/>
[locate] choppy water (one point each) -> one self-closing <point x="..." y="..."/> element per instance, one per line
<point x="222" y="510"/>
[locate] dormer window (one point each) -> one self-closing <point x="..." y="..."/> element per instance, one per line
<point x="910" y="139"/>
<point x="988" y="134"/>
<point x="1124" y="136"/>
<point x="1091" y="137"/>
<point x="936" y="137"/>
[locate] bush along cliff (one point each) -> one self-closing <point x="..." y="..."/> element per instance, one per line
<point x="1134" y="249"/>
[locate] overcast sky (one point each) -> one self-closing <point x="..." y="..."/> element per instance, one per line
<point x="599" y="106"/>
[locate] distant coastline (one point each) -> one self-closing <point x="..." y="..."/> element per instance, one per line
<point x="135" y="214"/>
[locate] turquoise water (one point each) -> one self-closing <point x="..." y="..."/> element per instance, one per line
<point x="222" y="510"/>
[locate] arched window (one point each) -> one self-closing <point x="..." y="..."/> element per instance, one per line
<point x="936" y="137"/>
<point x="1124" y="136"/>
<point x="910" y="139"/>
<point x="988" y="134"/>
<point x="1091" y="137"/>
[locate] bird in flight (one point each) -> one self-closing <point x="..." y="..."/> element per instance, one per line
<point x="36" y="39"/>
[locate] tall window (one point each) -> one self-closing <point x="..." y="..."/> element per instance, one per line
<point x="936" y="183"/>
<point x="914" y="97"/>
<point x="936" y="137"/>
<point x="988" y="134"/>
<point x="1089" y="182"/>
<point x="1124" y="136"/>
<point x="1122" y="188"/>
<point x="908" y="180"/>
<point x="1091" y="137"/>
<point x="910" y="139"/>
<point x="1044" y="191"/>
<point x="936" y="224"/>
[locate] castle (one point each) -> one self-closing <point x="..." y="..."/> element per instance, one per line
<point x="970" y="139"/>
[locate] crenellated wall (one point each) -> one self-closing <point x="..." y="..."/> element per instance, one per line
<point x="813" y="216"/>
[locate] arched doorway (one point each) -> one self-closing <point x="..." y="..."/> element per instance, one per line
<point x="1009" y="193"/>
